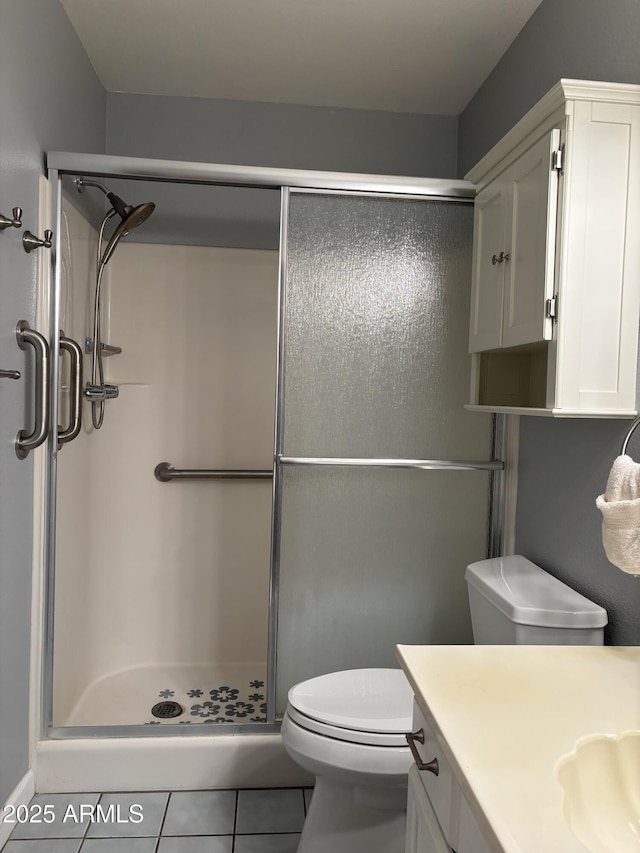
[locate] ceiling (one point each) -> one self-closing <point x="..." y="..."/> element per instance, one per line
<point x="419" y="56"/>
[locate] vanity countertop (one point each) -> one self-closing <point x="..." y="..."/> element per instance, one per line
<point x="505" y="715"/>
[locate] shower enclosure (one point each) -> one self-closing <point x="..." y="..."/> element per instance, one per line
<point x="287" y="482"/>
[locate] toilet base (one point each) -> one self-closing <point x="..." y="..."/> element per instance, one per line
<point x="345" y="818"/>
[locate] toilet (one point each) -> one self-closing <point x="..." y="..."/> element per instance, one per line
<point x="348" y="728"/>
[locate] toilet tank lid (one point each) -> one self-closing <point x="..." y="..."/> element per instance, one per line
<point x="528" y="595"/>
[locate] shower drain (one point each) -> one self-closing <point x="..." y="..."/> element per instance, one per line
<point x="164" y="710"/>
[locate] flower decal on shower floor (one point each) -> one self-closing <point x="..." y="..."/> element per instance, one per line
<point x="239" y="709"/>
<point x="243" y="704"/>
<point x="207" y="709"/>
<point x="224" y="694"/>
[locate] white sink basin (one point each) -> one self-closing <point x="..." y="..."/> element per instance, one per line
<point x="601" y="782"/>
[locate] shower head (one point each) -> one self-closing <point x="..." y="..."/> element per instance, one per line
<point x="131" y="216"/>
<point x="134" y="216"/>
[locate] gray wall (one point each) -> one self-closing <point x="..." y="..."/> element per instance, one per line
<point x="50" y="98"/>
<point x="564" y="464"/>
<point x="584" y="39"/>
<point x="259" y="134"/>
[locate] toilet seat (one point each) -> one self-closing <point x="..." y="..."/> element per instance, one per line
<point x="347" y="735"/>
<point x="365" y="706"/>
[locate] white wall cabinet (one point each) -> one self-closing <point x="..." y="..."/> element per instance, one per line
<point x="555" y="298"/>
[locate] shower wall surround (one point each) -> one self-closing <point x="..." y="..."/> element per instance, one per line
<point x="160" y="582"/>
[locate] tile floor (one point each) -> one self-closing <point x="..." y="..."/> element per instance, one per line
<point x="245" y="821"/>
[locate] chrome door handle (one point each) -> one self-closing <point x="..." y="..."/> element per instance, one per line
<point x="28" y="441"/>
<point x="431" y="766"/>
<point x="75" y="390"/>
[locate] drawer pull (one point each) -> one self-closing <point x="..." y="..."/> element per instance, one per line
<point x="431" y="766"/>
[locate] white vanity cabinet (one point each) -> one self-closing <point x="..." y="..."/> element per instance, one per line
<point x="438" y="818"/>
<point x="555" y="299"/>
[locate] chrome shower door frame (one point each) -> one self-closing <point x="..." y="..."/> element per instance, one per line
<point x="285" y="181"/>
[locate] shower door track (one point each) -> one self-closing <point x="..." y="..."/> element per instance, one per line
<point x="285" y="181"/>
<point x="177" y="171"/>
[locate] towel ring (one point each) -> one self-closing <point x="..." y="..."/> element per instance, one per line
<point x="631" y="431"/>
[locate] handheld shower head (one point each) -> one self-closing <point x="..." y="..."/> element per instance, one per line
<point x="134" y="216"/>
<point x="131" y="216"/>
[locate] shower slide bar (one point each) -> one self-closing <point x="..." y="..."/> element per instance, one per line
<point x="165" y="472"/>
<point x="422" y="464"/>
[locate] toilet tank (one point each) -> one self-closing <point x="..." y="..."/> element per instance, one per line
<point x="515" y="602"/>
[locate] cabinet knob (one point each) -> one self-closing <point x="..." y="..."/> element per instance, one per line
<point x="498" y="259"/>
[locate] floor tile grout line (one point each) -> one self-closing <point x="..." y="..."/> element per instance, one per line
<point x="162" y="822"/>
<point x="235" y="822"/>
<point x="164" y="816"/>
<point x="86" y="832"/>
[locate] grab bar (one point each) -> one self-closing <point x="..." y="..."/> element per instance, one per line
<point x="165" y="472"/>
<point x="27" y="441"/>
<point x="75" y="390"/>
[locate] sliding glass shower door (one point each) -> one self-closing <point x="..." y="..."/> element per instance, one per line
<point x="371" y="539"/>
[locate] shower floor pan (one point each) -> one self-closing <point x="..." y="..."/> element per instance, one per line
<point x="208" y="693"/>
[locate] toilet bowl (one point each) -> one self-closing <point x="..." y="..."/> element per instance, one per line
<point x="348" y="729"/>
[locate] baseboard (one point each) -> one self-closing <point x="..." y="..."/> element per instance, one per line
<point x="20" y="796"/>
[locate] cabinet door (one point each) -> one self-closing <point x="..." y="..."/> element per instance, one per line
<point x="488" y="276"/>
<point x="423" y="830"/>
<point x="470" y="839"/>
<point x="532" y="189"/>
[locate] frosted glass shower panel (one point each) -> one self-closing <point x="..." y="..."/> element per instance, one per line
<point x="375" y="329"/>
<point x="375" y="366"/>
<point x="371" y="558"/>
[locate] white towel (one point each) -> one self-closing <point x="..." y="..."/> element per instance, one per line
<point x="620" y="508"/>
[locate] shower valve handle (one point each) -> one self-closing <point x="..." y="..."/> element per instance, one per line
<point x="31" y="242"/>
<point x="95" y="393"/>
